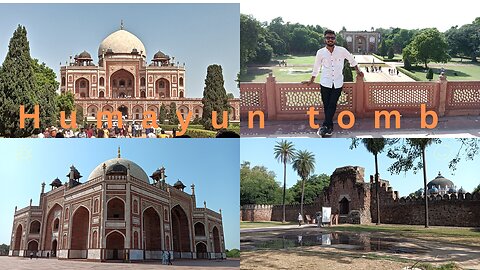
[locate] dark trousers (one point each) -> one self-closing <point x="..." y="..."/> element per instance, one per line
<point x="330" y="98"/>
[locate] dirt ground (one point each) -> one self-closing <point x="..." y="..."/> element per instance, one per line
<point x="311" y="259"/>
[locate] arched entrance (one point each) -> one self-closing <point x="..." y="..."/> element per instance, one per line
<point x="152" y="233"/>
<point x="202" y="251"/>
<point x="115" y="246"/>
<point x="199" y="229"/>
<point x="35" y="227"/>
<point x="32" y="248"/>
<point x="344" y="206"/>
<point x="124" y="110"/>
<point x="181" y="232"/>
<point x="115" y="209"/>
<point x="53" y="252"/>
<point x="216" y="240"/>
<point x="122" y="84"/>
<point x="163" y="88"/>
<point x="53" y="226"/>
<point x="82" y="87"/>
<point x="361" y="45"/>
<point x="18" y="237"/>
<point x="79" y="233"/>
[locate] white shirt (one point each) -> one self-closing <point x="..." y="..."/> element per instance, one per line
<point x="332" y="65"/>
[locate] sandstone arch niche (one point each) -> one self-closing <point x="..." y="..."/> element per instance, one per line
<point x="153" y="234"/>
<point x="181" y="233"/>
<point x="115" y="246"/>
<point x="79" y="234"/>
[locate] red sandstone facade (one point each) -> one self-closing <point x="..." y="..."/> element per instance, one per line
<point x="117" y="215"/>
<point x="123" y="81"/>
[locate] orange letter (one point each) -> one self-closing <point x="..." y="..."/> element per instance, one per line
<point x="340" y="119"/>
<point x="183" y="123"/>
<point x="311" y="117"/>
<point x="35" y="116"/>
<point x="73" y="120"/>
<point x="224" y="123"/>
<point x="151" y="117"/>
<point x="423" y="116"/>
<point x="388" y="116"/>
<point x="261" y="117"/>
<point x="109" y="116"/>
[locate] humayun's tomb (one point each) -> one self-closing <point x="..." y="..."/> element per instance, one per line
<point x="123" y="81"/>
<point x="117" y="214"/>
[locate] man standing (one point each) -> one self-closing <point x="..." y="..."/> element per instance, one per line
<point x="331" y="58"/>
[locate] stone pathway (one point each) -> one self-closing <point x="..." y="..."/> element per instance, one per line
<point x="16" y="263"/>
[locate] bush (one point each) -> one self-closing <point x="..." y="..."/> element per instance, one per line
<point x="234" y="253"/>
<point x="429" y="75"/>
<point x="200" y="133"/>
<point x="409" y="74"/>
<point x="406" y="63"/>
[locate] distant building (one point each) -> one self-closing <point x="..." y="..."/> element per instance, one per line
<point x="123" y="81"/>
<point x="361" y="42"/>
<point x="117" y="214"/>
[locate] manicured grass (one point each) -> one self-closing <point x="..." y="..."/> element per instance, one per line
<point x="250" y="225"/>
<point x="299" y="60"/>
<point x="282" y="74"/>
<point x="417" y="230"/>
<point x="464" y="72"/>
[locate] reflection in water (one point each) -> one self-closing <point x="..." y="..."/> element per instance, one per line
<point x="360" y="242"/>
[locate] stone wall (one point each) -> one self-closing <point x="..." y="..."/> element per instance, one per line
<point x="275" y="212"/>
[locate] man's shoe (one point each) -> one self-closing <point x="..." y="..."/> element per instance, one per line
<point x="321" y="131"/>
<point x="329" y="131"/>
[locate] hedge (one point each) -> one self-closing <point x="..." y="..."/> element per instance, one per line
<point x="409" y="74"/>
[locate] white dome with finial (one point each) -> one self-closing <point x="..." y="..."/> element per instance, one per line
<point x="121" y="42"/>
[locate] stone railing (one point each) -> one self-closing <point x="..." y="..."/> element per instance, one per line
<point x="290" y="101"/>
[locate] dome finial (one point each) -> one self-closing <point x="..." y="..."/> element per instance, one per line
<point x="119" y="152"/>
<point x="121" y="24"/>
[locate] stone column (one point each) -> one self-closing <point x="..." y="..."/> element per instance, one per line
<point x="358" y="97"/>
<point x="442" y="102"/>
<point x="270" y="88"/>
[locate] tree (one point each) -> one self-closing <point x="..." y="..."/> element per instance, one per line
<point x="214" y="96"/>
<point x="249" y="32"/>
<point x="383" y="48"/>
<point x="314" y="187"/>
<point x="374" y="146"/>
<point x="284" y="152"/>
<point x="304" y="165"/>
<point x="347" y="72"/>
<point x="390" y="53"/>
<point x="65" y="103"/>
<point x="47" y="86"/>
<point x="477" y="189"/>
<point x="258" y="185"/>
<point x="17" y="86"/>
<point x="263" y="52"/>
<point x="172" y="114"/>
<point x="162" y="114"/>
<point x="429" y="75"/>
<point x="429" y="45"/>
<point x="406" y="154"/>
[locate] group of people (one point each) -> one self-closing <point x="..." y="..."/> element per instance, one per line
<point x="91" y="131"/>
<point x="374" y="69"/>
<point x="393" y="71"/>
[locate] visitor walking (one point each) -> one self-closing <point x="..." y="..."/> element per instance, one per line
<point x="330" y="59"/>
<point x="300" y="219"/>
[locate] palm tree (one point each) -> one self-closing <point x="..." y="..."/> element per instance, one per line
<point x="374" y="146"/>
<point x="284" y="152"/>
<point x="304" y="165"/>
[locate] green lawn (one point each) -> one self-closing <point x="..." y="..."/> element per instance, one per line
<point x="250" y="225"/>
<point x="454" y="72"/>
<point x="293" y="60"/>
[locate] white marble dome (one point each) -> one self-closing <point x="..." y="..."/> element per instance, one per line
<point x="135" y="170"/>
<point x="121" y="42"/>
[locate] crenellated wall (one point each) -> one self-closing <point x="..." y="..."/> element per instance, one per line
<point x="462" y="210"/>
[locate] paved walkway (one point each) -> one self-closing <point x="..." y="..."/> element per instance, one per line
<point x="16" y="263"/>
<point x="383" y="75"/>
<point x="447" y="127"/>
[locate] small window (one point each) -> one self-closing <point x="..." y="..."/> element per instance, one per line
<point x="122" y="83"/>
<point x="102" y="81"/>
<point x="101" y="94"/>
<point x="161" y="84"/>
<point x="181" y="81"/>
<point x="83" y="84"/>
<point x="142" y="82"/>
<point x="63" y="81"/>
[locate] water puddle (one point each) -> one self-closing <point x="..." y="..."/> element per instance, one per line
<point x="345" y="241"/>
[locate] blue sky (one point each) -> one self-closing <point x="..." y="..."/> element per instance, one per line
<point x="333" y="153"/>
<point x="197" y="34"/>
<point x="212" y="165"/>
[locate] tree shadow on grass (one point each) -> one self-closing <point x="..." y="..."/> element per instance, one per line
<point x="254" y="72"/>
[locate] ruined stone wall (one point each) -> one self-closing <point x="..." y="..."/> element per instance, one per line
<point x="275" y="212"/>
<point x="347" y="182"/>
<point x="446" y="210"/>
